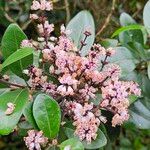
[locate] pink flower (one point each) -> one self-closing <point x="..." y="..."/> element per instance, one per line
<point x="47" y="54"/>
<point x="45" y="29"/>
<point x="35" y="5"/>
<point x="68" y="79"/>
<point x="63" y="30"/>
<point x="35" y="140"/>
<point x="88" y="92"/>
<point x="49" y="88"/>
<point x="85" y="121"/>
<point x="115" y="97"/>
<point x="119" y="119"/>
<point x="65" y="90"/>
<point x="26" y="43"/>
<point x="110" y="51"/>
<point x="43" y="5"/>
<point x="34" y="16"/>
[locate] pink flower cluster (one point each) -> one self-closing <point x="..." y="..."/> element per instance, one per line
<point x="35" y="140"/>
<point x="85" y="121"/>
<point x="42" y="5"/>
<point x="115" y="97"/>
<point x="79" y="78"/>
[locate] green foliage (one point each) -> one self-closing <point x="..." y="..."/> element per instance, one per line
<point x="127" y="28"/>
<point x="146" y="16"/>
<point x="19" y="99"/>
<point x="18" y="56"/>
<point x="43" y="113"/>
<point x="124" y="58"/>
<point x="48" y="116"/>
<point x="78" y="25"/>
<point x="29" y="114"/>
<point x="73" y="144"/>
<point x="10" y="44"/>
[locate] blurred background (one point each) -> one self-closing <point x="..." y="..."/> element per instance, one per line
<point x="106" y="14"/>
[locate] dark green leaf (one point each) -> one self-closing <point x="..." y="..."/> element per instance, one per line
<point x="47" y="115"/>
<point x="78" y="25"/>
<point x="11" y="41"/>
<point x="8" y="122"/>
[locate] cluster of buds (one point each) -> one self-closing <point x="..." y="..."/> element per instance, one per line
<point x="37" y="79"/>
<point x="35" y="140"/>
<point x="79" y="79"/>
<point x="85" y="121"/>
<point x="115" y="98"/>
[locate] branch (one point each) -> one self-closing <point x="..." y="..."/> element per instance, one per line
<point x="106" y="22"/>
<point x="12" y="84"/>
<point x="67" y="11"/>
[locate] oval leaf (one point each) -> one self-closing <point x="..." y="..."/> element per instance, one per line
<point x="78" y="25"/>
<point x="126" y="19"/>
<point x="73" y="144"/>
<point x="47" y="115"/>
<point x="11" y="40"/>
<point x="16" y="56"/>
<point x="19" y="99"/>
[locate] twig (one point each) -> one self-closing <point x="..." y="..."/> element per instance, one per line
<point x="11" y="84"/>
<point x="67" y="11"/>
<point x="106" y="22"/>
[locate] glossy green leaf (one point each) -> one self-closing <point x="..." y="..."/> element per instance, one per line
<point x="127" y="28"/>
<point x="16" y="56"/>
<point x="72" y="143"/>
<point x="47" y="115"/>
<point x="11" y="41"/>
<point x="98" y="143"/>
<point x="29" y="114"/>
<point x="8" y="122"/>
<point x="78" y="25"/>
<point x="146" y="16"/>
